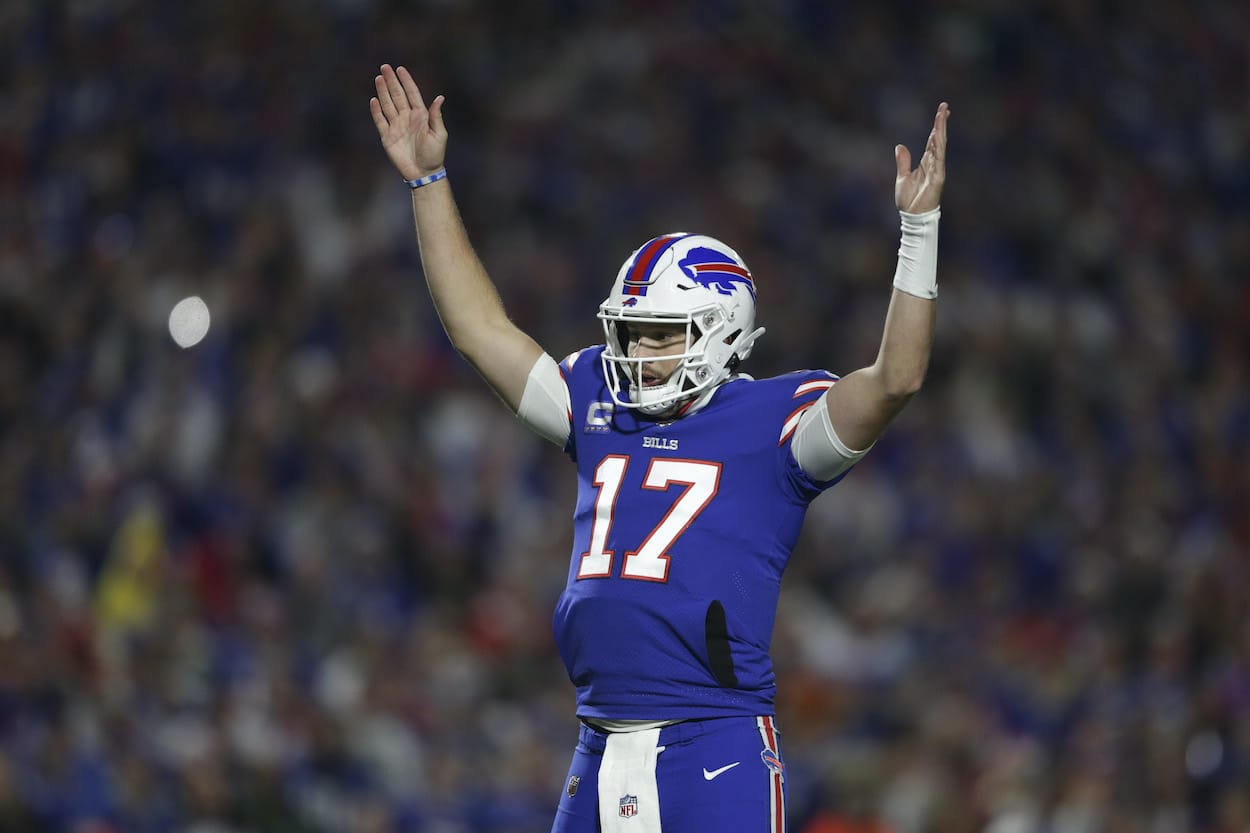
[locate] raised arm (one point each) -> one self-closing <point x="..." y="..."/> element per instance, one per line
<point x="862" y="404"/>
<point x="415" y="139"/>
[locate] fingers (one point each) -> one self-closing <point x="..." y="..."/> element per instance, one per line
<point x="902" y="160"/>
<point x="397" y="92"/>
<point x="409" y="87"/>
<point x="396" y="89"/>
<point x="933" y="160"/>
<point x="399" y="98"/>
<point x="931" y="154"/>
<point x="939" y="129"/>
<point x="384" y="96"/>
<point x="436" y="116"/>
<point x="379" y="120"/>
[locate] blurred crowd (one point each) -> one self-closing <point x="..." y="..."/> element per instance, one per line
<point x="298" y="577"/>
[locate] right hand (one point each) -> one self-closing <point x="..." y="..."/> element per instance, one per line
<point x="920" y="190"/>
<point x="414" y="137"/>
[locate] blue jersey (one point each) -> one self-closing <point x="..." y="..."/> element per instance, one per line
<point x="681" y="533"/>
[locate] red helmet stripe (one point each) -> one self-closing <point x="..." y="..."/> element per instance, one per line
<point x="639" y="276"/>
<point x="731" y="268"/>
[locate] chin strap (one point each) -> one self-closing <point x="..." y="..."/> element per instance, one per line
<point x="743" y="349"/>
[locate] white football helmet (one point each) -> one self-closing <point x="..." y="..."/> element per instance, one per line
<point x="685" y="279"/>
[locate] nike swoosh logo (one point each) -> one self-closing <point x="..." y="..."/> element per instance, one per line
<point x="708" y="776"/>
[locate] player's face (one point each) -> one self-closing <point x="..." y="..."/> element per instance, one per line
<point x="658" y="341"/>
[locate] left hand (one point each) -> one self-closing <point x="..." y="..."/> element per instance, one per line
<point x="920" y="190"/>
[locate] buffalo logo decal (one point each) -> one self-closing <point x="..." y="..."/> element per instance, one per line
<point x="772" y="761"/>
<point x="715" y="270"/>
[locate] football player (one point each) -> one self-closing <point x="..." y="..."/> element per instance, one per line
<point x="693" y="480"/>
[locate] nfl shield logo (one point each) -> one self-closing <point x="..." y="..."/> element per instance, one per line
<point x="574" y="782"/>
<point x="629" y="806"/>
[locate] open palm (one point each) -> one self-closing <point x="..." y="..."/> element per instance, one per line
<point x="920" y="190"/>
<point x="413" y="135"/>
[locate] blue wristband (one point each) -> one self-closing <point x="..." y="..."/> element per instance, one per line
<point x="414" y="184"/>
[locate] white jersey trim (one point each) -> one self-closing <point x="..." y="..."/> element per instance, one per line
<point x="546" y="407"/>
<point x="816" y="446"/>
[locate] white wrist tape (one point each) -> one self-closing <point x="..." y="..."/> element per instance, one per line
<point x="917" y="254"/>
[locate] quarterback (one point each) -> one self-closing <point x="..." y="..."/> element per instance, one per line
<point x="693" y="480"/>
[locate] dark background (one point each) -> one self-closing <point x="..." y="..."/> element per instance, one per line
<point x="299" y="577"/>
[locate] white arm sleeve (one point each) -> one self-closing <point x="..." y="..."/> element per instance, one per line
<point x="816" y="446"/>
<point x="545" y="405"/>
